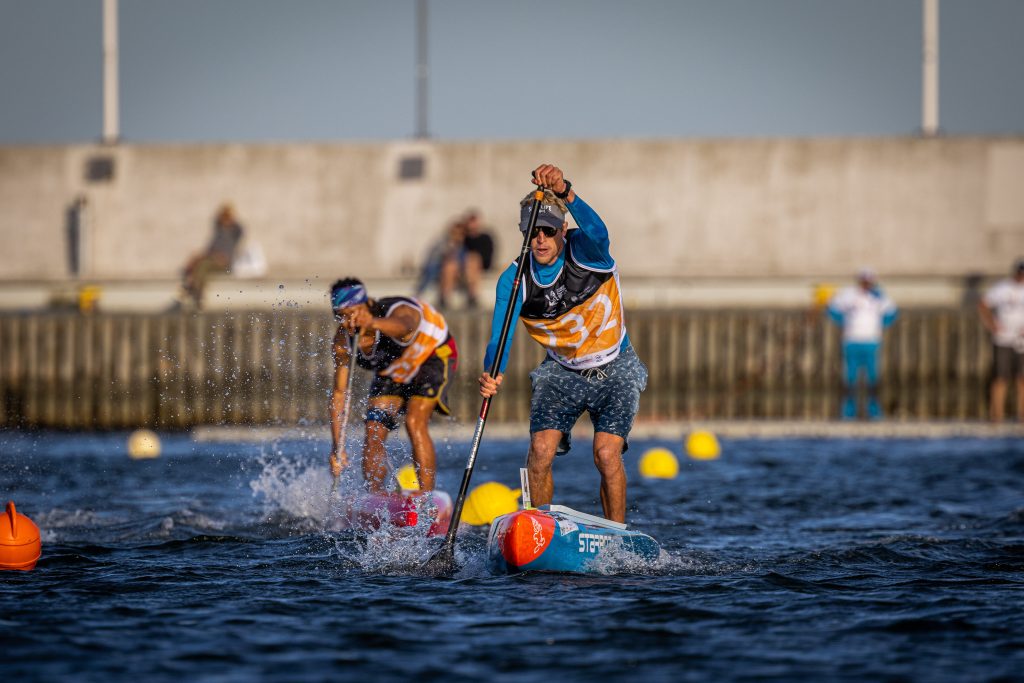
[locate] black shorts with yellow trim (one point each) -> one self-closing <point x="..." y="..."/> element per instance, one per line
<point x="430" y="382"/>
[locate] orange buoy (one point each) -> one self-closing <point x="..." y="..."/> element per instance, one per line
<point x="20" y="547"/>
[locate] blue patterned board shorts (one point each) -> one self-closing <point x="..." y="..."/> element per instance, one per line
<point x="611" y="394"/>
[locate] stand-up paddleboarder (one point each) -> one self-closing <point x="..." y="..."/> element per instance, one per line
<point x="570" y="305"/>
<point x="406" y="343"/>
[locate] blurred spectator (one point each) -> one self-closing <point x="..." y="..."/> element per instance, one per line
<point x="863" y="311"/>
<point x="972" y="290"/>
<point x="218" y="257"/>
<point x="444" y="249"/>
<point x="465" y="266"/>
<point x="1002" y="313"/>
<point x="457" y="260"/>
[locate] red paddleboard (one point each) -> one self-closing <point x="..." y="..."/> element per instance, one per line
<point x="406" y="509"/>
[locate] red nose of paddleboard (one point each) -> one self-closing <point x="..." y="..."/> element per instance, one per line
<point x="20" y="546"/>
<point x="527" y="536"/>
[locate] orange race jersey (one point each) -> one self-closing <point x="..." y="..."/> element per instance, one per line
<point x="401" y="361"/>
<point x="579" y="317"/>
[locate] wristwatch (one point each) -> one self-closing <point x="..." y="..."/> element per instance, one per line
<point x="565" y="193"/>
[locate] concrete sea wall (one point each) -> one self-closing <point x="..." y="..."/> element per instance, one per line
<point x="726" y="208"/>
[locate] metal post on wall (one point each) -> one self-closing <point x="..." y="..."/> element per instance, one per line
<point x="422" y="69"/>
<point x="930" y="69"/>
<point x="111" y="122"/>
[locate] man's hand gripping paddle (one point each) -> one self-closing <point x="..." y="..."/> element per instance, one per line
<point x="442" y="562"/>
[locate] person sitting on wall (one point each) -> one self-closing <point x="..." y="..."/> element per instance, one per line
<point x="447" y="248"/>
<point x="466" y="264"/>
<point x="217" y="258"/>
<point x="863" y="311"/>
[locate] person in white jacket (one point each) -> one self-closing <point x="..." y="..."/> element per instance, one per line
<point x="864" y="311"/>
<point x="1002" y="314"/>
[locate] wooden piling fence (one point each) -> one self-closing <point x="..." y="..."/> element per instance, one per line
<point x="66" y="370"/>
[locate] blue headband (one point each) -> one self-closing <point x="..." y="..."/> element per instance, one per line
<point x="343" y="297"/>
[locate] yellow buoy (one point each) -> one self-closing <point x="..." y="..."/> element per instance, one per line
<point x="89" y="298"/>
<point x="407" y="479"/>
<point x="701" y="445"/>
<point x="489" y="500"/>
<point x="142" y="444"/>
<point x="659" y="463"/>
<point x="823" y="294"/>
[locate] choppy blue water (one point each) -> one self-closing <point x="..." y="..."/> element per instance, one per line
<point x="785" y="560"/>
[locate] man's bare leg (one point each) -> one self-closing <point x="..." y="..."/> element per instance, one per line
<point x="997" y="400"/>
<point x="538" y="465"/>
<point x="608" y="459"/>
<point x="447" y="281"/>
<point x="417" y="419"/>
<point x="473" y="269"/>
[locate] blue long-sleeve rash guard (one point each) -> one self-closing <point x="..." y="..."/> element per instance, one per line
<point x="590" y="247"/>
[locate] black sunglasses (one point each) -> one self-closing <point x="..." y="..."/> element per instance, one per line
<point x="546" y="229"/>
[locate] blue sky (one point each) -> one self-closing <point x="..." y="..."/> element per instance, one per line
<point x="259" y="70"/>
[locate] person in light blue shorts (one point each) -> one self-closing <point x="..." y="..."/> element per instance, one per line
<point x="570" y="304"/>
<point x="864" y="311"/>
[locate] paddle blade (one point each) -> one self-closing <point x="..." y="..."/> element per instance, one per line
<point x="441" y="563"/>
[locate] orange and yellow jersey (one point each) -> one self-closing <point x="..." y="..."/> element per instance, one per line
<point x="579" y="317"/>
<point x="401" y="361"/>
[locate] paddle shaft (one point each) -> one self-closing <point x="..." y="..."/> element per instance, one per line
<point x="449" y="541"/>
<point x="353" y="349"/>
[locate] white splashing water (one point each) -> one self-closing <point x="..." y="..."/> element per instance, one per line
<point x="52" y="524"/>
<point x="615" y="558"/>
<point x="299" y="489"/>
<point x="303" y="490"/>
<point x="392" y="550"/>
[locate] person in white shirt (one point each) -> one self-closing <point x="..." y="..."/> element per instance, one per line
<point x="1002" y="314"/>
<point x="864" y="311"/>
